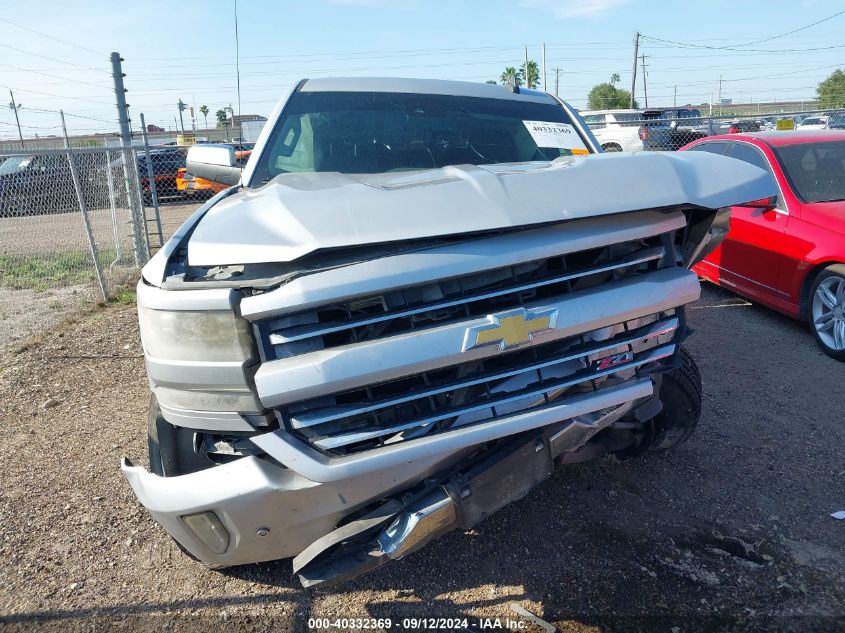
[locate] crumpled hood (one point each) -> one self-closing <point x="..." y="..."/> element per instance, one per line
<point x="296" y="214"/>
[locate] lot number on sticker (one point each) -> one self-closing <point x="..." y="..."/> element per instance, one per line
<point x="553" y="134"/>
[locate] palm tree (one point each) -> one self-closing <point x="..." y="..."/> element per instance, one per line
<point x="614" y="79"/>
<point x="533" y="74"/>
<point x="222" y="121"/>
<point x="204" y="111"/>
<point x="511" y="75"/>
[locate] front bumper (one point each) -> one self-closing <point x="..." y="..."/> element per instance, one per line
<point x="273" y="512"/>
<point x="269" y="511"/>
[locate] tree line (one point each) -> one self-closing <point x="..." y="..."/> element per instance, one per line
<point x="608" y="96"/>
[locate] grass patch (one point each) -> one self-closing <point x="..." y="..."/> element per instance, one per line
<point x="124" y="297"/>
<point x="42" y="271"/>
<point x="45" y="270"/>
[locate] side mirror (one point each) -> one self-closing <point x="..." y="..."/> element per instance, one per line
<point x="215" y="162"/>
<point x="761" y="203"/>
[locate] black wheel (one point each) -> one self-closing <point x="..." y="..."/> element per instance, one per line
<point x="611" y="147"/>
<point x="680" y="393"/>
<point x="826" y="312"/>
<point x="172" y="449"/>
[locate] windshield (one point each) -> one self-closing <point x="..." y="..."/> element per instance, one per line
<point x="14" y="164"/>
<point x="376" y="132"/>
<point x="816" y="171"/>
<point x="164" y="162"/>
<point x="689" y="113"/>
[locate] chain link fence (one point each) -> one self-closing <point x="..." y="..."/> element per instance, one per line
<point x="669" y="129"/>
<point x="71" y="219"/>
<point x="77" y="224"/>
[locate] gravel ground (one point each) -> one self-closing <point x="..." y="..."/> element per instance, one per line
<point x="729" y="532"/>
<point x="26" y="313"/>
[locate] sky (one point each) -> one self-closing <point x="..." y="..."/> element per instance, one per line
<point x="54" y="54"/>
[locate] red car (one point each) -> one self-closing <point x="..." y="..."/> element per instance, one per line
<point x="788" y="252"/>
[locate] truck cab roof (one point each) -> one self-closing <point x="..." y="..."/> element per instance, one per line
<point x="423" y="86"/>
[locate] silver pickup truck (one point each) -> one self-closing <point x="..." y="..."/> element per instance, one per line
<point x="417" y="299"/>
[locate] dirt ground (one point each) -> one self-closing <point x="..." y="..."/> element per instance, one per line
<point x="26" y="313"/>
<point x="729" y="532"/>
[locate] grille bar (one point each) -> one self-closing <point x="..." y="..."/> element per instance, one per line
<point x="339" y="441"/>
<point x="330" y="414"/>
<point x="298" y="333"/>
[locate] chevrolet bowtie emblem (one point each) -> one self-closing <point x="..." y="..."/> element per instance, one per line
<point x="510" y="329"/>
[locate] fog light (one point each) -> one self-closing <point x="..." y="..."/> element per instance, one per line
<point x="208" y="529"/>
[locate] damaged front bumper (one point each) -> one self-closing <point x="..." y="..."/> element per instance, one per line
<point x="252" y="509"/>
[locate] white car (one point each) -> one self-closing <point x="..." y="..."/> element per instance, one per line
<point x="813" y="123"/>
<point x="619" y="130"/>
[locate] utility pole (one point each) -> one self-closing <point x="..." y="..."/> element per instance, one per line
<point x="720" y="95"/>
<point x="237" y="58"/>
<point x="15" y="107"/>
<point x="181" y="107"/>
<point x="133" y="194"/>
<point x="557" y="81"/>
<point x="527" y="78"/>
<point x="675" y="98"/>
<point x="645" y="85"/>
<point x="120" y="97"/>
<point x="545" y="82"/>
<point x="634" y="69"/>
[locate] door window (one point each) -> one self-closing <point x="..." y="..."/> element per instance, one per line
<point x="753" y="156"/>
<point x="595" y="121"/>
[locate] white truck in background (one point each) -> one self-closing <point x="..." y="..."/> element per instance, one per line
<point x="250" y="130"/>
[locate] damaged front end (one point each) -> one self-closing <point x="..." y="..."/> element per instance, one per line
<point x="347" y="405"/>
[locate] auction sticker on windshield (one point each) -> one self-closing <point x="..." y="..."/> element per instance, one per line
<point x="557" y="135"/>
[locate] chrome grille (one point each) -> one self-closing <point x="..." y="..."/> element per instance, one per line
<point x="482" y="390"/>
<point x="450" y="300"/>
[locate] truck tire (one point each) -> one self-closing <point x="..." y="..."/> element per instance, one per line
<point x="171" y="448"/>
<point x="826" y="311"/>
<point x="611" y="147"/>
<point x="680" y="393"/>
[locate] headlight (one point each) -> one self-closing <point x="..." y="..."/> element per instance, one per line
<point x="215" y="335"/>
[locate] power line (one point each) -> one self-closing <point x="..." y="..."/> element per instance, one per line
<point x="741" y="47"/>
<point x="803" y="28"/>
<point x="51" y="37"/>
<point x="676" y="44"/>
<point x="78" y="116"/>
<point x="55" y="96"/>
<point x="38" y="72"/>
<point x="53" y="59"/>
<point x="792" y="72"/>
